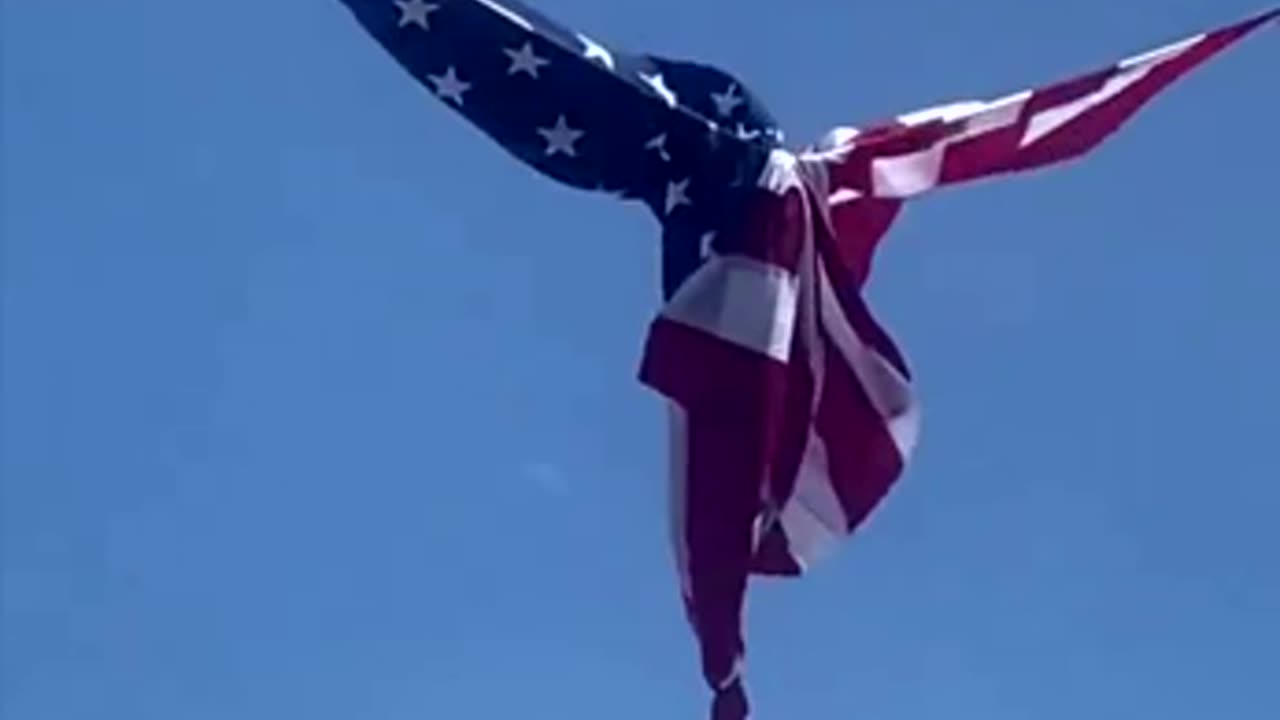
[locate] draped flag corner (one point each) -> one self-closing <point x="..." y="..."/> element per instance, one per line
<point x="791" y="409"/>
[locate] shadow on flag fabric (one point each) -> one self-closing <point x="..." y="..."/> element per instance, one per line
<point x="791" y="409"/>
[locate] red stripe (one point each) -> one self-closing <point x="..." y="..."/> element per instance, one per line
<point x="697" y="369"/>
<point x="859" y="226"/>
<point x="982" y="154"/>
<point x="1085" y="132"/>
<point x="727" y="460"/>
<point x="732" y="399"/>
<point x="863" y="460"/>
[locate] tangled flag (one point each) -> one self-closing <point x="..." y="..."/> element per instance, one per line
<point x="791" y="409"/>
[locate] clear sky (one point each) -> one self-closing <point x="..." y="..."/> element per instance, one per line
<point x="317" y="405"/>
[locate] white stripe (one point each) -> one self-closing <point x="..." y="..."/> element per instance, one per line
<point x="999" y="113"/>
<point x="813" y="517"/>
<point x="1049" y="120"/>
<point x="945" y="113"/>
<point x="1162" y="54"/>
<point x="843" y="195"/>
<point x="905" y="175"/>
<point x="742" y="301"/>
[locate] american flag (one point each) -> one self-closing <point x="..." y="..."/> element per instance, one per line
<point x="791" y="409"/>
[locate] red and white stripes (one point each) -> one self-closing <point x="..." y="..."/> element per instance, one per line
<point x="963" y="141"/>
<point x="789" y="421"/>
<point x="792" y="411"/>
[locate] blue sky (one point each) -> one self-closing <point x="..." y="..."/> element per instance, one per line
<point x="316" y="405"/>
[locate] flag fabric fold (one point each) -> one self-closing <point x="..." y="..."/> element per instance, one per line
<point x="791" y="409"/>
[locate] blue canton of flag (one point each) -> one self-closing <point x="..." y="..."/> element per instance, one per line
<point x="688" y="140"/>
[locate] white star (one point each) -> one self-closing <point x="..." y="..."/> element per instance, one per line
<point x="593" y="50"/>
<point x="449" y="86"/>
<point x="659" y="144"/>
<point x="677" y="195"/>
<point x="728" y="101"/>
<point x="561" y="138"/>
<point x="707" y="244"/>
<point x="660" y="86"/>
<point x="415" y="12"/>
<point x="523" y="60"/>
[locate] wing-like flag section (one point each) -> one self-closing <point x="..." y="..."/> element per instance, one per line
<point x="962" y="141"/>
<point x="791" y="409"/>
